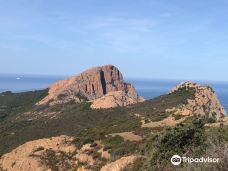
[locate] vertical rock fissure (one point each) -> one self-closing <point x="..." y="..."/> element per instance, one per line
<point x="93" y="90"/>
<point x="103" y="82"/>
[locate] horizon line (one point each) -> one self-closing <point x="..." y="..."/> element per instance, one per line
<point x="127" y="78"/>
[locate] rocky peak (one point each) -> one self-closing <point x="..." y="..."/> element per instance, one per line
<point x="204" y="101"/>
<point x="88" y="86"/>
<point x="189" y="85"/>
<point x="185" y="85"/>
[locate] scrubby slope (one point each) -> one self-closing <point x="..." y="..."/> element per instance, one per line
<point x="87" y="125"/>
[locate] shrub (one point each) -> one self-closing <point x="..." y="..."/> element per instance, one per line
<point x="177" y="116"/>
<point x="114" y="141"/>
<point x="184" y="138"/>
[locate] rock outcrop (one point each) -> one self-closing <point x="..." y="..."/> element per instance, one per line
<point x="120" y="164"/>
<point x="205" y="102"/>
<point x="116" y="99"/>
<point x="90" y="85"/>
<point x="56" y="153"/>
<point x="27" y="157"/>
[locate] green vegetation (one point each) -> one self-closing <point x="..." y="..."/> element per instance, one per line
<point x="190" y="138"/>
<point x="14" y="103"/>
<point x="79" y="142"/>
<point x="186" y="92"/>
<point x="55" y="161"/>
<point x="113" y="141"/>
<point x="177" y="116"/>
<point x="182" y="139"/>
<point x="75" y="119"/>
<point x="155" y="109"/>
<point x="118" y="147"/>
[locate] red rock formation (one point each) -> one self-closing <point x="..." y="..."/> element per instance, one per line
<point x="89" y="85"/>
<point x="205" y="102"/>
<point x="116" y="99"/>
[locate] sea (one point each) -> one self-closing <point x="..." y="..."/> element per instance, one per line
<point x="148" y="88"/>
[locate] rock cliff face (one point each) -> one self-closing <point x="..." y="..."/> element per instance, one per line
<point x="88" y="86"/>
<point x="203" y="102"/>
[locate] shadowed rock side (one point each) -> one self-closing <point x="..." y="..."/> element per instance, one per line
<point x="204" y="102"/>
<point x="88" y="86"/>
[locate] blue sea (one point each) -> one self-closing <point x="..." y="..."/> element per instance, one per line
<point x="148" y="88"/>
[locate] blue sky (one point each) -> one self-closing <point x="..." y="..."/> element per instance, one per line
<point x="180" y="39"/>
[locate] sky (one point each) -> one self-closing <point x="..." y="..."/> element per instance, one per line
<point x="164" y="39"/>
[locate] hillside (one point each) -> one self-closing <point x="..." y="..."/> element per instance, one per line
<point x="134" y="136"/>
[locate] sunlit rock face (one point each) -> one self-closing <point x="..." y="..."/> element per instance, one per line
<point x="88" y="86"/>
<point x="116" y="99"/>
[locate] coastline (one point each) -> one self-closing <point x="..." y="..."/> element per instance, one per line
<point x="148" y="88"/>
